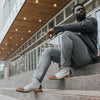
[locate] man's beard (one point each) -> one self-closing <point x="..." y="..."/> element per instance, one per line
<point x="80" y="17"/>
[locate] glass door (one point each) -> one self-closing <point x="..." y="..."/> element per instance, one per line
<point x="98" y="19"/>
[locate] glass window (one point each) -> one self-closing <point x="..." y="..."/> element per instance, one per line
<point x="25" y="63"/>
<point x="51" y="24"/>
<point x="31" y="60"/>
<point x="13" y="68"/>
<point x="34" y="59"/>
<point x="29" y="42"/>
<point x="34" y="38"/>
<point x="23" y="47"/>
<point x="26" y="45"/>
<point x="98" y="19"/>
<point x="12" y="2"/>
<point x="47" y="45"/>
<point x="38" y="34"/>
<point x="59" y="18"/>
<point x="38" y="54"/>
<point x="22" y="64"/>
<point x="44" y="30"/>
<point x="18" y="66"/>
<point x="70" y="20"/>
<point x="42" y="49"/>
<point x="82" y="1"/>
<point x="69" y="9"/>
<point x="10" y="70"/>
<point x="89" y="7"/>
<point x="20" y="49"/>
<point x="96" y="3"/>
<point x="28" y="62"/>
<point x="52" y="43"/>
<point x="6" y="11"/>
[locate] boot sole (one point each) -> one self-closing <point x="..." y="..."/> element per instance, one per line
<point x="61" y="77"/>
<point x="37" y="90"/>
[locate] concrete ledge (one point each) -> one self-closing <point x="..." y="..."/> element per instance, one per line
<point x="90" y="82"/>
<point x="53" y="94"/>
<point x="87" y="78"/>
<point x="87" y="70"/>
<point x="4" y="97"/>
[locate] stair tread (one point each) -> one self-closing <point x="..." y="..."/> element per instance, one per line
<point x="88" y="93"/>
<point x="76" y="92"/>
<point x="5" y="97"/>
<point x="84" y="82"/>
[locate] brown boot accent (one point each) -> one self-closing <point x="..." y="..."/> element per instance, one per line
<point x="53" y="77"/>
<point x="20" y="89"/>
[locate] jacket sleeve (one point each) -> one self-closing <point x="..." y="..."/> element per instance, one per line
<point x="88" y="25"/>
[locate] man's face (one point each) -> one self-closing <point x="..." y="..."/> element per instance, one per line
<point x="79" y="13"/>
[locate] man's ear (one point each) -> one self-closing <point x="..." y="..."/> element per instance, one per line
<point x="74" y="16"/>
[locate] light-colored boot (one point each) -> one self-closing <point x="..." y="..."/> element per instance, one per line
<point x="34" y="86"/>
<point x="63" y="73"/>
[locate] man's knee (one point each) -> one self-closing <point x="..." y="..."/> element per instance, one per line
<point x="67" y="34"/>
<point x="48" y="51"/>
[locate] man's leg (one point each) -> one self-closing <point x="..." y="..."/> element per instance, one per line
<point x="50" y="54"/>
<point x="74" y="48"/>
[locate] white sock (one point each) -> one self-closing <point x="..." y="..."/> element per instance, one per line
<point x="35" y="84"/>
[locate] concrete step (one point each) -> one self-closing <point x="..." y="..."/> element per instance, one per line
<point x="53" y="94"/>
<point x="4" y="97"/>
<point x="87" y="78"/>
<point x="90" y="82"/>
<point x="82" y="71"/>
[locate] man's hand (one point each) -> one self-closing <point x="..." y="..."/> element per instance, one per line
<point x="50" y="33"/>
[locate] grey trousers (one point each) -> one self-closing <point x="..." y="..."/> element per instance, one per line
<point x="73" y="53"/>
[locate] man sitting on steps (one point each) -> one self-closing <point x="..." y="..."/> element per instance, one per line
<point x="79" y="48"/>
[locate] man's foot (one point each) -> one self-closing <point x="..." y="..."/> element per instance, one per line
<point x="34" y="86"/>
<point x="20" y="89"/>
<point x="63" y="73"/>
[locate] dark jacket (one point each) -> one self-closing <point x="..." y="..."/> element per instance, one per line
<point x="88" y="33"/>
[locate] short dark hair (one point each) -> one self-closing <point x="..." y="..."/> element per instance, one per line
<point x="79" y="4"/>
